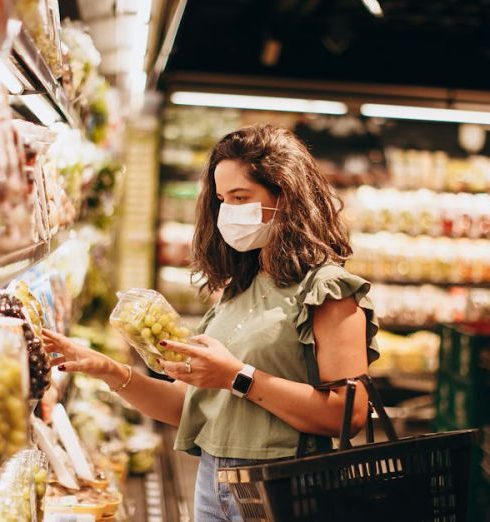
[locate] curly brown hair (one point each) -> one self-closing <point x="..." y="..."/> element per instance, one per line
<point x="307" y="232"/>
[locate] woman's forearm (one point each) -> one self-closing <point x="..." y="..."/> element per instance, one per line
<point x="160" y="400"/>
<point x="304" y="408"/>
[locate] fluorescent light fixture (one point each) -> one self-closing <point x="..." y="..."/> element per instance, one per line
<point x="405" y="112"/>
<point x="261" y="103"/>
<point x="373" y="7"/>
<point x="40" y="108"/>
<point x="8" y="78"/>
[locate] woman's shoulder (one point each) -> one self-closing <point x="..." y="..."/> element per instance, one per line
<point x="332" y="279"/>
<point x="331" y="282"/>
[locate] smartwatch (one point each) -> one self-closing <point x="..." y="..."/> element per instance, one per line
<point x="243" y="381"/>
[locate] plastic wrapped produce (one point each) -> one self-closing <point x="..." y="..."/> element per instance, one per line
<point x="14" y="387"/>
<point x="82" y="55"/>
<point x="39" y="366"/>
<point x="144" y="318"/>
<point x="42" y="19"/>
<point x="17" y="191"/>
<point x="23" y="481"/>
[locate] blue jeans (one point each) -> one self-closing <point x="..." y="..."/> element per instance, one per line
<point x="214" y="502"/>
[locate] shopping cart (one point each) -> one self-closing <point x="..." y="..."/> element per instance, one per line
<point x="413" y="479"/>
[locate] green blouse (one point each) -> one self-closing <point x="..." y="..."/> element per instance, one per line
<point x="269" y="328"/>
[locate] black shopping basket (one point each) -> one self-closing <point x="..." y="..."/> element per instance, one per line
<point x="413" y="479"/>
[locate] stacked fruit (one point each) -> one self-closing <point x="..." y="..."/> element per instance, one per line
<point x="13" y="387"/>
<point x="39" y="367"/>
<point x="23" y="483"/>
<point x="12" y="420"/>
<point x="145" y="318"/>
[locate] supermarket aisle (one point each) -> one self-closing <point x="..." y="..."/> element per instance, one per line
<point x="178" y="475"/>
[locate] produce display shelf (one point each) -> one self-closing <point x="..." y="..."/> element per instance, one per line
<point x="29" y="62"/>
<point x="14" y="263"/>
<point x="420" y="282"/>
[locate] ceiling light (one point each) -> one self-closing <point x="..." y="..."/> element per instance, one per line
<point x="404" y="112"/>
<point x="261" y="103"/>
<point x="43" y="111"/>
<point x="373" y="7"/>
<point x="8" y="78"/>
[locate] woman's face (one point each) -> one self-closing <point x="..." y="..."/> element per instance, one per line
<point x="235" y="187"/>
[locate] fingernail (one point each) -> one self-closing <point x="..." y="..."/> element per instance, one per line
<point x="163" y="343"/>
<point x="61" y="367"/>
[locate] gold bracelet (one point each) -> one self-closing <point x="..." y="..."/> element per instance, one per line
<point x="126" y="382"/>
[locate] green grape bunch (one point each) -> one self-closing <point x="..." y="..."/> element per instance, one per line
<point x="145" y="319"/>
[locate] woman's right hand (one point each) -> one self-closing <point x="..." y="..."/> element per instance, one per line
<point x="77" y="358"/>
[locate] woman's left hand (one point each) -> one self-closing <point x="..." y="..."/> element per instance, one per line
<point x="212" y="366"/>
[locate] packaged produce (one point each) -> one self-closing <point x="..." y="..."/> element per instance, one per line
<point x="31" y="306"/>
<point x="144" y="318"/>
<point x="14" y="387"/>
<point x="143" y="448"/>
<point x="18" y="226"/>
<point x="23" y="481"/>
<point x="43" y="291"/>
<point x="42" y="20"/>
<point x="82" y="55"/>
<point x="39" y="366"/>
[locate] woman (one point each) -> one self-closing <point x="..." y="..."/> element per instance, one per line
<point x="268" y="233"/>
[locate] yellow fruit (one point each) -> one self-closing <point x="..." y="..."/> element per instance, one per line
<point x="146" y="333"/>
<point x="156" y="328"/>
<point x="149" y="321"/>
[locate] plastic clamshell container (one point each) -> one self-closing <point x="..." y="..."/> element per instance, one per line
<point x="145" y="318"/>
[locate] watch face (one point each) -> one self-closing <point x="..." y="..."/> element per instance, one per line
<point x="242" y="383"/>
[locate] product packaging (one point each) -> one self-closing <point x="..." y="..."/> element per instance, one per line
<point x="145" y="318"/>
<point x="14" y="387"/>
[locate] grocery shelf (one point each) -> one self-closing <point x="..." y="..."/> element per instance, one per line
<point x="420" y="282"/>
<point x="30" y="64"/>
<point x="14" y="263"/>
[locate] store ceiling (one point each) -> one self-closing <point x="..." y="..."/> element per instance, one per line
<point x="442" y="43"/>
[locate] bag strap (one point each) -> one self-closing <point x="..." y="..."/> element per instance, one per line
<point x="375" y="402"/>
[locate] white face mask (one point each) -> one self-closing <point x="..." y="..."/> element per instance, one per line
<point x="241" y="226"/>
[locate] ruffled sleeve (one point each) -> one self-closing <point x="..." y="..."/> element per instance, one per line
<point x="334" y="282"/>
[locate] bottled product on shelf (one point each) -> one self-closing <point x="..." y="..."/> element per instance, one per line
<point x="400" y="258"/>
<point x="418" y="212"/>
<point x="415" y="169"/>
<point x="426" y="305"/>
<point x="14" y="387"/>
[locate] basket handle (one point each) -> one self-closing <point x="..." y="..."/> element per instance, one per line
<point x="375" y="403"/>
